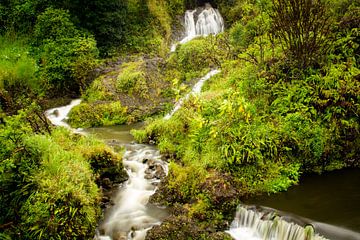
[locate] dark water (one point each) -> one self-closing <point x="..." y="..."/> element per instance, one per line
<point x="332" y="198"/>
<point x="119" y="133"/>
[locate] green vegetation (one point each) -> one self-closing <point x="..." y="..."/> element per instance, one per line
<point x="100" y="114"/>
<point x="285" y="103"/>
<point x="132" y="79"/>
<point x="48" y="188"/>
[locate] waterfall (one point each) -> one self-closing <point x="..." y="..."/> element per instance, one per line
<point x="59" y="115"/>
<point x="250" y="224"/>
<point x="190" y="23"/>
<point x="196" y="89"/>
<point x="208" y="21"/>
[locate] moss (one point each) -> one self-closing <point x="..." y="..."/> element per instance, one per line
<point x="98" y="114"/>
<point x="132" y="79"/>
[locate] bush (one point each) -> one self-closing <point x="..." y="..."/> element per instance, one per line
<point x="132" y="79"/>
<point x="68" y="56"/>
<point x="194" y="56"/>
<point x="98" y="114"/>
<point x="47" y="182"/>
<point x="303" y="28"/>
<point x="18" y="70"/>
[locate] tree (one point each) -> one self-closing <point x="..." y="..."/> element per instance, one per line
<point x="106" y="20"/>
<point x="68" y="55"/>
<point x="303" y="27"/>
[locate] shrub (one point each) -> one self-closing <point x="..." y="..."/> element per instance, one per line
<point x="132" y="79"/>
<point x="194" y="56"/>
<point x="18" y="70"/>
<point x="98" y="114"/>
<point x="68" y="56"/>
<point x="48" y="185"/>
<point x="303" y="28"/>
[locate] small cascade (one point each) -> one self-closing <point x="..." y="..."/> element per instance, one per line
<point x="196" y="89"/>
<point x="251" y="224"/>
<point x="59" y="115"/>
<point x="201" y="22"/>
<point x="131" y="216"/>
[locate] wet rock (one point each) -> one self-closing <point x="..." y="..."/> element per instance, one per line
<point x="155" y="184"/>
<point x="149" y="176"/>
<point x="151" y="163"/>
<point x="106" y="183"/>
<point x="56" y="113"/>
<point x="159" y="172"/>
<point x="145" y="160"/>
<point x="119" y="236"/>
<point x="105" y="200"/>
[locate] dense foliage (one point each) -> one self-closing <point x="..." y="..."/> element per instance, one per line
<point x="48" y="188"/>
<point x="285" y="103"/>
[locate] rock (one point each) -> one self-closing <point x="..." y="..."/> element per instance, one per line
<point x="145" y="160"/>
<point x="56" y="113"/>
<point x="119" y="236"/>
<point x="159" y="172"/>
<point x="106" y="183"/>
<point x="151" y="163"/>
<point x="149" y="176"/>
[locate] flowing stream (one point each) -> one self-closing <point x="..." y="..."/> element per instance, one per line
<point x="201" y="22"/>
<point x="131" y="216"/>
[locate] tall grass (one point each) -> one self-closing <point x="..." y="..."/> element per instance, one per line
<point x="17" y="67"/>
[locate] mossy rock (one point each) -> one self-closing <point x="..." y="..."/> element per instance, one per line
<point x="98" y="114"/>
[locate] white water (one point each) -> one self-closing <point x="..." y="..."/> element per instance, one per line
<point x="253" y="225"/>
<point x="131" y="217"/>
<point x="208" y="21"/>
<point x="196" y="89"/>
<point x="59" y="115"/>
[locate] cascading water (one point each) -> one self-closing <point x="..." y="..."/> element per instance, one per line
<point x="208" y="21"/>
<point x="131" y="216"/>
<point x="58" y="116"/>
<point x="196" y="89"/>
<point x="250" y="224"/>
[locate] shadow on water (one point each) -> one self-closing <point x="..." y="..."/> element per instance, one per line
<point x="120" y="133"/>
<point x="331" y="200"/>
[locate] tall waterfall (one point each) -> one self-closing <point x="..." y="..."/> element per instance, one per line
<point x="201" y="22"/>
<point x="254" y="225"/>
